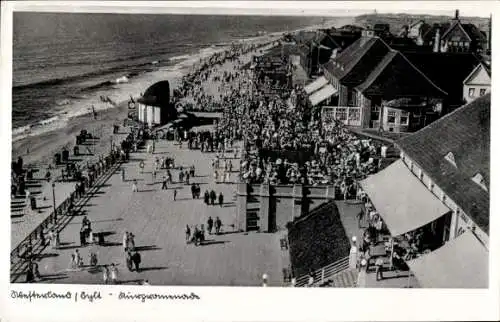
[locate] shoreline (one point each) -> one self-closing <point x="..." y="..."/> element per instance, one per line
<point x="43" y="146"/>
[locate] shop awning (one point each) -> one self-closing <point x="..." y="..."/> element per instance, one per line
<point x="315" y="85"/>
<point x="322" y="94"/>
<point x="460" y="263"/>
<point x="403" y="202"/>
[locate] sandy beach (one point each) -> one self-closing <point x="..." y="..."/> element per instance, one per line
<point x="40" y="149"/>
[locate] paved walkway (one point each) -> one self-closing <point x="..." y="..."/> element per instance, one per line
<point x="158" y="223"/>
<point x="23" y="225"/>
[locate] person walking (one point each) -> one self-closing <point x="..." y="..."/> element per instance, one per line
<point x="221" y="199"/>
<point x="360" y="216"/>
<point x="379" y="266"/>
<point x="131" y="242"/>
<point x="105" y="274"/>
<point x="193" y="191"/>
<point x="164" y="185"/>
<point x="206" y="197"/>
<point x="188" y="233"/>
<point x="210" y="224"/>
<point x="213" y="196"/>
<point x="134" y="186"/>
<point x="114" y="274"/>
<point x="125" y="241"/>
<point x="218" y="225"/>
<point x="175" y="194"/>
<point x="128" y="260"/>
<point x="123" y="174"/>
<point x="136" y="259"/>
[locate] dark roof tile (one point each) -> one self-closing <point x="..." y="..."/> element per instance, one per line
<point x="466" y="133"/>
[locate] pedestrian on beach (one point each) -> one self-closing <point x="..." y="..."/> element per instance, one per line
<point x="92" y="259"/>
<point x="134" y="186"/>
<point x="114" y="274"/>
<point x="131" y="242"/>
<point x="213" y="196"/>
<point x="379" y="266"/>
<point x="193" y="191"/>
<point x="125" y="241"/>
<point x="221" y="199"/>
<point x="188" y="233"/>
<point x="123" y="174"/>
<point x="136" y="259"/>
<point x="175" y="194"/>
<point x="206" y="197"/>
<point x="210" y="224"/>
<point x="360" y="216"/>
<point x="164" y="185"/>
<point x="128" y="260"/>
<point x="218" y="225"/>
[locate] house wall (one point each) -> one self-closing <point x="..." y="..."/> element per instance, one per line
<point x="343" y="95"/>
<point x="395" y="120"/>
<point x="477" y="83"/>
<point x="460" y="221"/>
<point x="456" y="40"/>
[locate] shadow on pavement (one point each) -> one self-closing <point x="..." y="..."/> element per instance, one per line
<point x="143" y="269"/>
<point x="146" y="248"/>
<point x="213" y="242"/>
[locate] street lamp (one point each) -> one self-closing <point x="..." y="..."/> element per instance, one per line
<point x="54" y="200"/>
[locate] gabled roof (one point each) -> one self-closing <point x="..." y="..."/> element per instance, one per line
<point x="474" y="32"/>
<point x="357" y="61"/>
<point x="396" y="77"/>
<point x="466" y="133"/>
<point x="446" y="70"/>
<point x="456" y="24"/>
<point x="475" y="70"/>
<point x="431" y="32"/>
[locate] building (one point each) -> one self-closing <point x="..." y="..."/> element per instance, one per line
<point x="318" y="50"/>
<point x="378" y="87"/>
<point x="154" y="106"/>
<point x="447" y="70"/>
<point x="441" y="186"/>
<point x="477" y="83"/>
<point x="455" y="36"/>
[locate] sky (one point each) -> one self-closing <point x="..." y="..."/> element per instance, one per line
<point x="310" y="8"/>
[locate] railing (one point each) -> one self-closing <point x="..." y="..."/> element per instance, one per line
<point x="324" y="274"/>
<point x="20" y="254"/>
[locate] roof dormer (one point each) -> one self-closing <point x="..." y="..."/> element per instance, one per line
<point x="479" y="180"/>
<point x="451" y="158"/>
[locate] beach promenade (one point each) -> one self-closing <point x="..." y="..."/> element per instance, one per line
<point x="158" y="222"/>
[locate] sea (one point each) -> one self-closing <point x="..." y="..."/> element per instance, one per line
<point x="64" y="62"/>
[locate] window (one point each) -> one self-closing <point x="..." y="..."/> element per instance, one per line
<point x="450" y="157"/>
<point x="391" y="117"/>
<point x="472" y="91"/>
<point x="341" y="114"/>
<point x="354" y="114"/>
<point x="479" y="179"/>
<point x="404" y="118"/>
<point x="375" y="113"/>
<point x="482" y="91"/>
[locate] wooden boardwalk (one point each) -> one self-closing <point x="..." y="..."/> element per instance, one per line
<point x="158" y="223"/>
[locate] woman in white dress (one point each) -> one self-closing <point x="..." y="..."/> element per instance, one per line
<point x="114" y="274"/>
<point x="105" y="274"/>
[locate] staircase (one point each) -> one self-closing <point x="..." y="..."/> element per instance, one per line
<point x="336" y="274"/>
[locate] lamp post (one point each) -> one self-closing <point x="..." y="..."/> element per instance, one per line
<point x="54" y="200"/>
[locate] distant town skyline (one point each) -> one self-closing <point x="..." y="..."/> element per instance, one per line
<point x="291" y="8"/>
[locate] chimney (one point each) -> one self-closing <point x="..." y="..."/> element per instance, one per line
<point x="457" y="14"/>
<point x="437" y="41"/>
